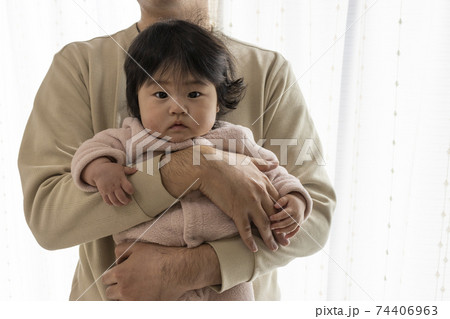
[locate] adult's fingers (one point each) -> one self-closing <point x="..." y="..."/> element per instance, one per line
<point x="281" y="239"/>
<point x="112" y="292"/>
<point x="281" y="215"/>
<point x="262" y="222"/>
<point x="272" y="191"/>
<point x="268" y="193"/>
<point x="123" y="251"/>
<point x="284" y="223"/>
<point x="262" y="164"/>
<point x="287" y="229"/>
<point x="281" y="203"/>
<point x="265" y="184"/>
<point x="245" y="231"/>
<point x="292" y="233"/>
<point x="109" y="277"/>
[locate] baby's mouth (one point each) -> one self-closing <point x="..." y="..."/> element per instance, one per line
<point x="178" y="126"/>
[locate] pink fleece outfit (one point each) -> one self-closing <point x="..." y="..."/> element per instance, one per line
<point x="194" y="219"/>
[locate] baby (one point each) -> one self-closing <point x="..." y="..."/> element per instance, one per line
<point x="180" y="80"/>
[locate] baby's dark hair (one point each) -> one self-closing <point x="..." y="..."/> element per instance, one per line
<point x="185" y="48"/>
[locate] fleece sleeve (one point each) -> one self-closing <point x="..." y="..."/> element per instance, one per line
<point x="285" y="117"/>
<point x="108" y="143"/>
<point x="58" y="213"/>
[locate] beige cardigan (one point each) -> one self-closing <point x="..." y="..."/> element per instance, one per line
<point x="83" y="93"/>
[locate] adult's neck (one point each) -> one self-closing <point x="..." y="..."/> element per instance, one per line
<point x="192" y="10"/>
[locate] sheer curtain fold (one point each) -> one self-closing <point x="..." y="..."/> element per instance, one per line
<point x="375" y="75"/>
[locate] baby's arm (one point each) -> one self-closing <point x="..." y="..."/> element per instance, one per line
<point x="110" y="179"/>
<point x="291" y="214"/>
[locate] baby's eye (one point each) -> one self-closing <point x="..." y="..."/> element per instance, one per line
<point x="193" y="95"/>
<point x="161" y="95"/>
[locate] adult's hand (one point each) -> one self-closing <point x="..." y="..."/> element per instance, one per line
<point x="234" y="182"/>
<point x="152" y="272"/>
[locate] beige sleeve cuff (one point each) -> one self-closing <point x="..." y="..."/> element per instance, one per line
<point x="237" y="262"/>
<point x="149" y="192"/>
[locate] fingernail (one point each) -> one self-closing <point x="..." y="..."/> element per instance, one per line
<point x="254" y="247"/>
<point x="274" y="245"/>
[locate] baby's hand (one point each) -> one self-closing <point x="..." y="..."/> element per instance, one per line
<point x="111" y="181"/>
<point x="291" y="212"/>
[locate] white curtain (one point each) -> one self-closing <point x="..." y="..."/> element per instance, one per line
<point x="32" y="32"/>
<point x="376" y="77"/>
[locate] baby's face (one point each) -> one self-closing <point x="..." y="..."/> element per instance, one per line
<point x="180" y="110"/>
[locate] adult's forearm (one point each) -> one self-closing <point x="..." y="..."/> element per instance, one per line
<point x="61" y="216"/>
<point x="147" y="271"/>
<point x="202" y="267"/>
<point x="178" y="173"/>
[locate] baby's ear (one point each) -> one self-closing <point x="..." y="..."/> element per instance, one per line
<point x="217" y="108"/>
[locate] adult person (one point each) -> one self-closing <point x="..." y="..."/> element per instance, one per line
<point x="84" y="93"/>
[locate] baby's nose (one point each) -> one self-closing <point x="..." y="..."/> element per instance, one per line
<point x="177" y="108"/>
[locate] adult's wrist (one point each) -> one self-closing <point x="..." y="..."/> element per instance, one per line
<point x="182" y="169"/>
<point x="202" y="267"/>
